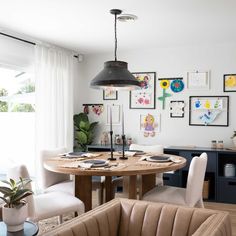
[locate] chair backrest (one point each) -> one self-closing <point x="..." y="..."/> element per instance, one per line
<point x="21" y="171"/>
<point x="159" y="149"/>
<point x="49" y="178"/>
<point x="195" y="179"/>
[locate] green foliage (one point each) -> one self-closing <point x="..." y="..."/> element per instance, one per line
<point x="28" y="88"/>
<point x="3" y="92"/>
<point x="3" y="106"/>
<point x="83" y="130"/>
<point x="14" y="193"/>
<point x="23" y="107"/>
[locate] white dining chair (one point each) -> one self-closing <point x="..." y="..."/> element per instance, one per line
<point x="157" y="149"/>
<point x="49" y="204"/>
<point x="189" y="196"/>
<point x="52" y="181"/>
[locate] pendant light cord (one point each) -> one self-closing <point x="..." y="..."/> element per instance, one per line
<point x="115" y="37"/>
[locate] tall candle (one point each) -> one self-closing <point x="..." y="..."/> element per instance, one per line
<point x="123" y="128"/>
<point x="110" y="118"/>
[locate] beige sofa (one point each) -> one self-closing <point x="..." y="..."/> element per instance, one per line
<point x="123" y="217"/>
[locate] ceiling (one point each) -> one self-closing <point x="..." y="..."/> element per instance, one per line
<point x="87" y="26"/>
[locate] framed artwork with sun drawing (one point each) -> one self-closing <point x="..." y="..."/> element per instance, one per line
<point x="144" y="97"/>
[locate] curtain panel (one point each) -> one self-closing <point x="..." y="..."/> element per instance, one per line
<point x="54" y="71"/>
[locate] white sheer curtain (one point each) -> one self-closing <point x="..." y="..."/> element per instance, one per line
<point x="54" y="70"/>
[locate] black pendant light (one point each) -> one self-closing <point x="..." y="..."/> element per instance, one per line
<point x="115" y="73"/>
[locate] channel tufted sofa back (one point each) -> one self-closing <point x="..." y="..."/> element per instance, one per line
<point x="123" y="217"/>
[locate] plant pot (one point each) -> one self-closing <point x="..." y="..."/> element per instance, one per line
<point x="14" y="218"/>
<point x="234" y="140"/>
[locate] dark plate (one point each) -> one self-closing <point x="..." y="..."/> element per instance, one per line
<point x="158" y="159"/>
<point x="96" y="163"/>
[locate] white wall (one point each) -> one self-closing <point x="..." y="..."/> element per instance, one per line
<point x="167" y="62"/>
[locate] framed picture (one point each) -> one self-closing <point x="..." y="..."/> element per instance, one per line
<point x="230" y="83"/>
<point x="209" y="110"/>
<point x="110" y="94"/>
<point x="198" y="80"/>
<point x="145" y="97"/>
<point x="150" y="124"/>
<point x="177" y="109"/>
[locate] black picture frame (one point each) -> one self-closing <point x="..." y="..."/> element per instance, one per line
<point x="225" y="110"/>
<point x="115" y="97"/>
<point x="226" y="76"/>
<point x="137" y="97"/>
<point x="177" y="116"/>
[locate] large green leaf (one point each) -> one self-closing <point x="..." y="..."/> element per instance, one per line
<point x="80" y="117"/>
<point x="81" y="137"/>
<point x="84" y="125"/>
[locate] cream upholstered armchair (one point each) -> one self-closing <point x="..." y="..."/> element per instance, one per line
<point x="49" y="204"/>
<point x="52" y="181"/>
<point x="157" y="149"/>
<point x="189" y="196"/>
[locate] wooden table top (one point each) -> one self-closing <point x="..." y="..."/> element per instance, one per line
<point x="132" y="166"/>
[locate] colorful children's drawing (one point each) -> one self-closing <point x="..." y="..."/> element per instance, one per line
<point x="144" y="97"/>
<point x="212" y="104"/>
<point x="165" y="84"/>
<point x="177" y="85"/>
<point x="149" y="124"/>
<point x="209" y="116"/>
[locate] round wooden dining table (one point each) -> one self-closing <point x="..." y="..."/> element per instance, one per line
<point x="130" y="169"/>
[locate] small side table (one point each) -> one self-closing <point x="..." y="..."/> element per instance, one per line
<point x="30" y="229"/>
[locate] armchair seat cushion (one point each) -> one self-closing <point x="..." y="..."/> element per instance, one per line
<point x="124" y="217"/>
<point x="65" y="186"/>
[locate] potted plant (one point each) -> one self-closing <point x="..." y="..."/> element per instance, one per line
<point x="14" y="212"/>
<point x="234" y="138"/>
<point x="84" y="130"/>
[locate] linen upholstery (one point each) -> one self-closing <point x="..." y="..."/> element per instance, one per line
<point x="125" y="217"/>
<point x="46" y="205"/>
<point x="191" y="195"/>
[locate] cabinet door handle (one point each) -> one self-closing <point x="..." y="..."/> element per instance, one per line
<point x="195" y="154"/>
<point x="232" y="183"/>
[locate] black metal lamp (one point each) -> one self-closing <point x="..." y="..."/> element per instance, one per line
<point x="115" y="74"/>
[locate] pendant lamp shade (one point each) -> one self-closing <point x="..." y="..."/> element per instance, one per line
<point x="115" y="74"/>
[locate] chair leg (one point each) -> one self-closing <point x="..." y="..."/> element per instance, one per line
<point x="60" y="219"/>
<point x="100" y="194"/>
<point x="200" y="204"/>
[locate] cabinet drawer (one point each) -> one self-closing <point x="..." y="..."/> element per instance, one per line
<point x="171" y="179"/>
<point x="226" y="190"/>
<point x="211" y="159"/>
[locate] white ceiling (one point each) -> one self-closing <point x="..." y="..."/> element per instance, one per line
<point x="86" y="26"/>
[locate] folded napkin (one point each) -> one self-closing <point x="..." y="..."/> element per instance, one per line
<point x="85" y="165"/>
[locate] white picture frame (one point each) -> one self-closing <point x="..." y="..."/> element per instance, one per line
<point x="198" y="80"/>
<point x="116" y="114"/>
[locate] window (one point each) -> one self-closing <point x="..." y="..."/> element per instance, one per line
<point x="17" y="118"/>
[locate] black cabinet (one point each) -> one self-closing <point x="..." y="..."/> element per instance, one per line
<point x="221" y="188"/>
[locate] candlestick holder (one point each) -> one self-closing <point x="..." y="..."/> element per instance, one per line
<point x="111" y="158"/>
<point x="123" y="157"/>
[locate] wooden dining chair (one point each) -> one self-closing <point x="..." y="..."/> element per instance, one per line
<point x="52" y="181"/>
<point x="49" y="204"/>
<point x="189" y="196"/>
